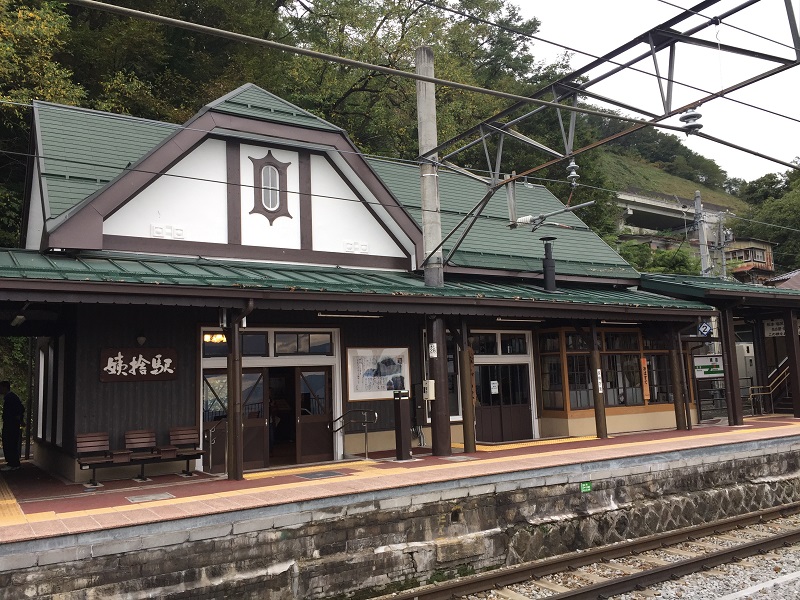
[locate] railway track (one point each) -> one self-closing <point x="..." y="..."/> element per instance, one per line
<point x="711" y="546"/>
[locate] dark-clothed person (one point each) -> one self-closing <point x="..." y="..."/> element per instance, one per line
<point x="13" y="412"/>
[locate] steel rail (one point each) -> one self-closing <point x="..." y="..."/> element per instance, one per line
<point x="506" y="576"/>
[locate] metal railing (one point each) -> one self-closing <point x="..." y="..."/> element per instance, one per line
<point x="212" y="441"/>
<point x="367" y="417"/>
<point x="763" y="396"/>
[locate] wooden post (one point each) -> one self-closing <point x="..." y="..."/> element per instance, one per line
<point x="678" y="399"/>
<point x="437" y="367"/>
<point x="733" y="394"/>
<point x="466" y="371"/>
<point x="597" y="386"/>
<point x="793" y="356"/>
<point x="234" y="426"/>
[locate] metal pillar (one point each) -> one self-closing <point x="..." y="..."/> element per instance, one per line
<point x="467" y="380"/>
<point x="440" y="413"/>
<point x="596" y="367"/>
<point x="793" y="355"/>
<point x="732" y="392"/>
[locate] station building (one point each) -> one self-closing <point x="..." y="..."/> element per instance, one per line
<point x="148" y="245"/>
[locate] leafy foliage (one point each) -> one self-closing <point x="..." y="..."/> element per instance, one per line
<point x="643" y="258"/>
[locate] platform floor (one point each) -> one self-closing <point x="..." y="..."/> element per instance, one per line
<point x="35" y="505"/>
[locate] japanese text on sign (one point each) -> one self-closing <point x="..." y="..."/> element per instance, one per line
<point x="137" y="364"/>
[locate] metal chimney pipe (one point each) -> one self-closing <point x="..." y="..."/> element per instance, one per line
<point x="549" y="264"/>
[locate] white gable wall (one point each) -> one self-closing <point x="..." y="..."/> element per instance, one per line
<point x="188" y="203"/>
<point x="341" y="222"/>
<point x="33" y="234"/>
<point x="256" y="228"/>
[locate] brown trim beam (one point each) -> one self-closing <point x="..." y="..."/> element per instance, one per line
<point x="234" y="174"/>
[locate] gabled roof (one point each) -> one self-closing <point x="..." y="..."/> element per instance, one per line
<point x="491" y="244"/>
<point x="256" y="103"/>
<point x="82" y="150"/>
<point x="105" y="273"/>
<point x="88" y="154"/>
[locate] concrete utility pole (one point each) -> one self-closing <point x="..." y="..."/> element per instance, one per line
<point x="700" y="221"/>
<point x="428" y="140"/>
<point x="431" y="239"/>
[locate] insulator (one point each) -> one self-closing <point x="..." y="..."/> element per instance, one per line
<point x="690" y="118"/>
<point x="572" y="174"/>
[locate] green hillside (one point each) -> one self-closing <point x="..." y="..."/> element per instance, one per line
<point x="628" y="174"/>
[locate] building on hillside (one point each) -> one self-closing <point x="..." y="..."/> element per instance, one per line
<point x="252" y="271"/>
<point x="750" y="260"/>
<point x="789" y="281"/>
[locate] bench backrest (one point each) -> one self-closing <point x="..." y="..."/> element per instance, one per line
<point x="140" y="438"/>
<point x="184" y="436"/>
<point x="91" y="443"/>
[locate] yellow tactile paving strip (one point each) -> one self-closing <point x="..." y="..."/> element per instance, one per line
<point x="517" y="445"/>
<point x="354" y="464"/>
<point x="364" y="470"/>
<point x="10" y="512"/>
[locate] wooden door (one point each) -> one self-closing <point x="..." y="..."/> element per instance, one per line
<point x="314" y="414"/>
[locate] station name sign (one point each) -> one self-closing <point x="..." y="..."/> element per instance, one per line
<point x="138" y="364"/>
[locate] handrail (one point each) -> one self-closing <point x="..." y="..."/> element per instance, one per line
<point x="212" y="442"/>
<point x="365" y="421"/>
<point x="769" y="390"/>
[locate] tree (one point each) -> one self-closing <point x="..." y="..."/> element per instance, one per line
<point x="771" y="185"/>
<point x="31" y="33"/>
<point x="776" y="220"/>
<point x="679" y="261"/>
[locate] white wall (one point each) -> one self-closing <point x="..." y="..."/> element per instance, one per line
<point x="33" y="236"/>
<point x="341" y="221"/>
<point x="188" y="203"/>
<point x="256" y="229"/>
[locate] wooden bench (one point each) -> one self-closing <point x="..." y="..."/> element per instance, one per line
<point x="93" y="452"/>
<point x="186" y="442"/>
<point x="143" y="448"/>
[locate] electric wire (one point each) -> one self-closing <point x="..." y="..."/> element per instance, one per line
<point x="718" y="21"/>
<point x="239" y="37"/>
<point x="596" y="57"/>
<point x="639" y="123"/>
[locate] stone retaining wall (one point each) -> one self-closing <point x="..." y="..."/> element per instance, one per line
<point x="374" y="543"/>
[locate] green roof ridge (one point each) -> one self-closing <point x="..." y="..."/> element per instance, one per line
<point x="252" y="101"/>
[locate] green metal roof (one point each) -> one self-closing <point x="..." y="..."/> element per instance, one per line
<point x="253" y="102"/>
<point x="82" y="150"/>
<point x="692" y="286"/>
<point x="491" y="244"/>
<point x="163" y="272"/>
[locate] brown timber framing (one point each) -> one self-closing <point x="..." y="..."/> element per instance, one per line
<point x="81" y="227"/>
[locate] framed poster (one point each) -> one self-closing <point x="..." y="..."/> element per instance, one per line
<point x="374" y="373"/>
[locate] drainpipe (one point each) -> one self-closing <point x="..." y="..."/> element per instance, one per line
<point x="235" y="423"/>
<point x="549" y="264"/>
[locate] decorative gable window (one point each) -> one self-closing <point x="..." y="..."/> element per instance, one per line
<point x="269" y="187"/>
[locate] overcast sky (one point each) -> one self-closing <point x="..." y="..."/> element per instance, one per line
<point x="599" y="26"/>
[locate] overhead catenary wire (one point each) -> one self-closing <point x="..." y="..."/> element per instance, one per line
<point x="391" y="71"/>
<point x="595" y="56"/>
<point x="719" y="21"/>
